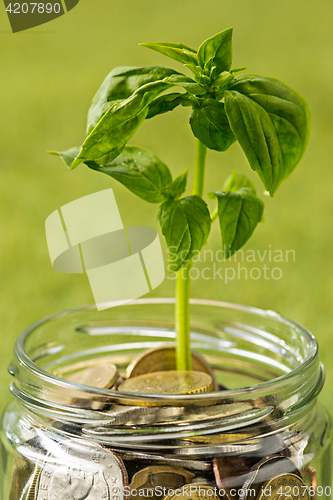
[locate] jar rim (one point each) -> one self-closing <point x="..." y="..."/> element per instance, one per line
<point x="270" y="385"/>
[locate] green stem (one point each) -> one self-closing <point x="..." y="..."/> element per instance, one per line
<point x="199" y="169"/>
<point x="182" y="311"/>
<point x="183" y="349"/>
<point x="214" y="215"/>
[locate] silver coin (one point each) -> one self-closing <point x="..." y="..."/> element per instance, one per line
<point x="162" y="415"/>
<point x="198" y="465"/>
<point x="77" y="470"/>
<point x="214" y="451"/>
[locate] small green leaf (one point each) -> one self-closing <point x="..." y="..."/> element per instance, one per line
<point x="177" y="187"/>
<point x="140" y="171"/>
<point x="237" y="181"/>
<point x="239" y="213"/>
<point x="187" y="83"/>
<point x="235" y="71"/>
<point x="221" y="82"/>
<point x="120" y="84"/>
<point x="255" y="132"/>
<point x="210" y="125"/>
<point x="217" y="51"/>
<point x="67" y="156"/>
<point x="118" y="125"/>
<point x="178" y="51"/>
<point x="288" y="112"/>
<point x="185" y="223"/>
<point x="166" y="103"/>
<point x="196" y="70"/>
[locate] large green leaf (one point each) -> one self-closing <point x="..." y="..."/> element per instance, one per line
<point x="239" y="213"/>
<point x="210" y="125"/>
<point x="140" y="171"/>
<point x="288" y="112"/>
<point x="185" y="223"/>
<point x="178" y="51"/>
<point x="216" y="51"/>
<point x="118" y="125"/>
<point x="255" y="132"/>
<point x="120" y="84"/>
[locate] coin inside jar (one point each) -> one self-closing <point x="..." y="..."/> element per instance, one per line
<point x="78" y="469"/>
<point x="194" y="492"/>
<point x="281" y="487"/>
<point x="102" y="376"/>
<point x="169" y="382"/>
<point x="227" y="470"/>
<point x="21" y="476"/>
<point x="163" y="358"/>
<point x="264" y="471"/>
<point x="150" y="480"/>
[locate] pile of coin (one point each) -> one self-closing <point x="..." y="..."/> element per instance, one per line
<point x="251" y="463"/>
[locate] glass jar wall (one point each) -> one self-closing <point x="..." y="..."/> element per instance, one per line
<point x="260" y="434"/>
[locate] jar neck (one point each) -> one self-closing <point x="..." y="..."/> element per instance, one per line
<point x="242" y="339"/>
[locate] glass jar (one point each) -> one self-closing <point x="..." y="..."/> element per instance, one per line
<point x="262" y="435"/>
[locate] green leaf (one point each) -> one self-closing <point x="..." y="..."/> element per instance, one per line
<point x="166" y="103"/>
<point x="178" y="51"/>
<point x="67" y="156"/>
<point x="120" y="84"/>
<point x="118" y="125"/>
<point x="237" y="181"/>
<point x="288" y="112"/>
<point x="177" y="187"/>
<point x="257" y="136"/>
<point x="210" y="125"/>
<point x="239" y="213"/>
<point x="185" y="223"/>
<point x="187" y="83"/>
<point x="217" y="51"/>
<point x="220" y="83"/>
<point x="140" y="171"/>
<point x="235" y="71"/>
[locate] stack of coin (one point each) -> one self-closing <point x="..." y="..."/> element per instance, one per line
<point x="249" y="463"/>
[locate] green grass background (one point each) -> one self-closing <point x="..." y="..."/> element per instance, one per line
<point x="48" y="77"/>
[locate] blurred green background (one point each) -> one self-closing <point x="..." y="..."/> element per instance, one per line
<point x="48" y="77"/>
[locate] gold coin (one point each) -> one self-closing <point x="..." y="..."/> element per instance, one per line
<point x="194" y="492"/>
<point x="31" y="492"/>
<point x="21" y="473"/>
<point x="169" y="382"/>
<point x="102" y="376"/>
<point x="225" y="438"/>
<point x="283" y="487"/>
<point x="164" y="476"/>
<point x="159" y="359"/>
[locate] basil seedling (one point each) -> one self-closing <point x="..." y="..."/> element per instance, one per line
<point x="270" y="121"/>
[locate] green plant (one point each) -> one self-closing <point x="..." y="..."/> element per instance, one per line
<point x="269" y="120"/>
